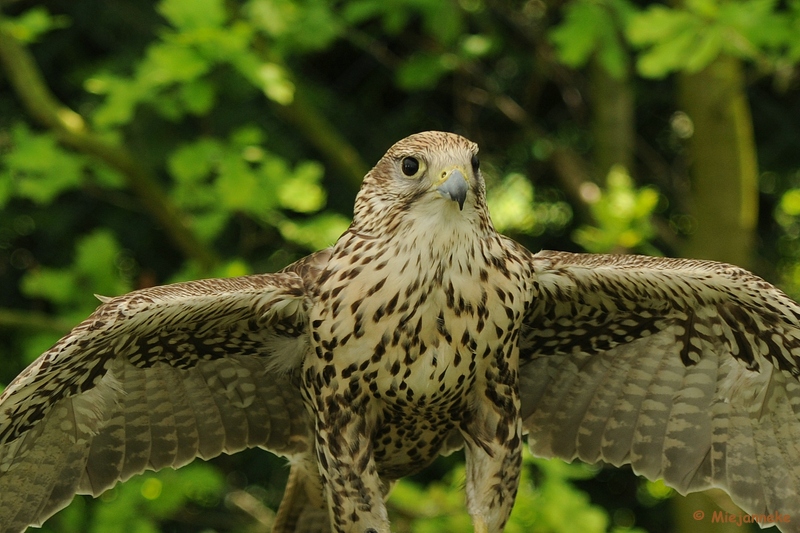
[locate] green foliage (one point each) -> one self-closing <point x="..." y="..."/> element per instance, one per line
<point x="146" y="500"/>
<point x="551" y="504"/>
<point x="623" y="214"/>
<point x="175" y="75"/>
<point x="38" y="168"/>
<point x="591" y="27"/>
<point x="787" y="215"/>
<point x="514" y="208"/>
<point x="295" y="27"/>
<point x="424" y="70"/>
<point x="442" y="19"/>
<point x="690" y="38"/>
<point x="687" y="37"/>
<point x="96" y="267"/>
<point x="99" y="266"/>
<point x="449" y="46"/>
<point x="32" y="24"/>
<point x="317" y="232"/>
<point x="653" y="492"/>
<point x="216" y="179"/>
<point x="195" y="16"/>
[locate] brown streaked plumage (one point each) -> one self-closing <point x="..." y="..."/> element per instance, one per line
<point x="421" y="330"/>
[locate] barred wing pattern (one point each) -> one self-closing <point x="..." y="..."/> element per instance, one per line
<point x="685" y="369"/>
<point x="152" y="379"/>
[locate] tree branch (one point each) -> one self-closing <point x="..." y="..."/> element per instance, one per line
<point x="72" y="130"/>
<point x="17" y="319"/>
<point x="724" y="166"/>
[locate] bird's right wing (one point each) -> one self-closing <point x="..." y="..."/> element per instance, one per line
<point x="688" y="370"/>
<point x="152" y="379"/>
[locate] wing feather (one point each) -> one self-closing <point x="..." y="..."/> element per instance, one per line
<point x="152" y="379"/>
<point x="163" y="437"/>
<point x="685" y="369"/>
<point x="210" y="428"/>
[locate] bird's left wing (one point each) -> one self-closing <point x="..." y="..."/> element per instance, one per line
<point x="685" y="369"/>
<point x="152" y="379"/>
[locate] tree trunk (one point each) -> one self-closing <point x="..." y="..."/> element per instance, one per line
<point x="613" y="129"/>
<point x="723" y="163"/>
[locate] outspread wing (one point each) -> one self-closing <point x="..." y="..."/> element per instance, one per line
<point x="685" y="369"/>
<point x="152" y="379"/>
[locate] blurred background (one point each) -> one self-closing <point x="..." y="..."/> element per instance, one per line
<point x="144" y="143"/>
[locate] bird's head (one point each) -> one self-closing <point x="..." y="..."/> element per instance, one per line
<point x="432" y="175"/>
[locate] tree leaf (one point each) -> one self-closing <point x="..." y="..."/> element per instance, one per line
<point x="707" y="47"/>
<point x="33" y="23"/>
<point x="315" y="233"/>
<point x="302" y="192"/>
<point x="193" y="161"/>
<point x="168" y="62"/>
<point x="668" y="55"/>
<point x="423" y="70"/>
<point x="38" y="169"/>
<point x="193" y="14"/>
<point x="198" y="96"/>
<point x="576" y="37"/>
<point x="658" y="24"/>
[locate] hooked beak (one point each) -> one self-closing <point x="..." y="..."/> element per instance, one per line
<point x="453" y="185"/>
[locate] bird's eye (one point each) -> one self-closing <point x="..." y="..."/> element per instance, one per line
<point x="410" y="166"/>
<point x="476" y="164"/>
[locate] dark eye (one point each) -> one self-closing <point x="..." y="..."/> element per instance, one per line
<point x="476" y="164"/>
<point x="410" y="166"/>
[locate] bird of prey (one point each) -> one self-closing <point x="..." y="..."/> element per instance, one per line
<point x="420" y="331"/>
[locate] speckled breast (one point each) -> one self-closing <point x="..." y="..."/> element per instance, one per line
<point x="403" y="347"/>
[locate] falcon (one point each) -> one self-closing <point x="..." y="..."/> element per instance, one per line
<point x="420" y="331"/>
